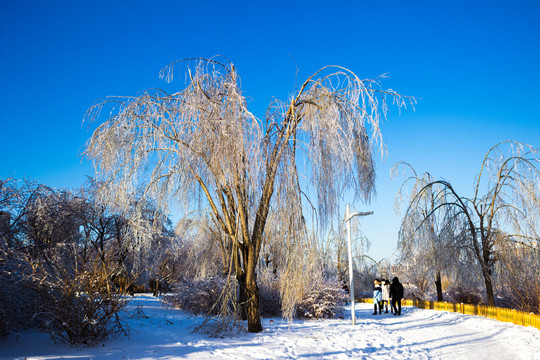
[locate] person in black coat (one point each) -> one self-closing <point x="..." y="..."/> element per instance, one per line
<point x="396" y="294"/>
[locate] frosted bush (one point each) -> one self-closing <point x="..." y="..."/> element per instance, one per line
<point x="18" y="299"/>
<point x="324" y="301"/>
<point x="84" y="318"/>
<point x="76" y="307"/>
<point x="197" y="296"/>
<point x="465" y="294"/>
<point x="523" y="296"/>
<point x="412" y="291"/>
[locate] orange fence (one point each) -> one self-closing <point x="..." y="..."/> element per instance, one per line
<point x="501" y="314"/>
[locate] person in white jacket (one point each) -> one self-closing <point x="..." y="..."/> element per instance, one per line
<point x="377" y="296"/>
<point x="386" y="294"/>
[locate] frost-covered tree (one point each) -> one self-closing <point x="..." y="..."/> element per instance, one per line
<point x="16" y="196"/>
<point x="426" y="239"/>
<point x="501" y="211"/>
<point x="52" y="219"/>
<point x="203" y="138"/>
<point x="44" y="266"/>
<point x="131" y="242"/>
<point x="17" y="299"/>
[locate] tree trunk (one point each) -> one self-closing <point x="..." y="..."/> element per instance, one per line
<point x="242" y="296"/>
<point x="438" y="284"/>
<point x="252" y="291"/>
<point x="489" y="288"/>
<point x="248" y="297"/>
<point x="254" y="316"/>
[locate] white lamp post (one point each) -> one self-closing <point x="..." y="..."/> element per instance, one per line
<point x="348" y="217"/>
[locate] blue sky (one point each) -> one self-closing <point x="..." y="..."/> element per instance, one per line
<point x="474" y="65"/>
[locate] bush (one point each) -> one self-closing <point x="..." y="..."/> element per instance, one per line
<point x="79" y="308"/>
<point x="521" y="296"/>
<point x="18" y="298"/>
<point x="324" y="301"/>
<point x="80" y="318"/>
<point x="412" y="292"/>
<point x="466" y="295"/>
<point x="197" y="296"/>
<point x="74" y="304"/>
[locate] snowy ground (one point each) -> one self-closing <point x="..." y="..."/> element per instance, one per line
<point x="417" y="334"/>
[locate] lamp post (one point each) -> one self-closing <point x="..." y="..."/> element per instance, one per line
<point x="348" y="217"/>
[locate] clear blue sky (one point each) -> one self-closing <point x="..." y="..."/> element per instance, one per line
<point x="473" y="64"/>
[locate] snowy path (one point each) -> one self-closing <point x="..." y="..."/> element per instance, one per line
<point x="417" y="334"/>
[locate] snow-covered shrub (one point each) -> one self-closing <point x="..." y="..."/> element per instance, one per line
<point x="18" y="299"/>
<point x="324" y="301"/>
<point x="77" y="307"/>
<point x="523" y="296"/>
<point x="411" y="291"/>
<point x="269" y="296"/>
<point x="517" y="279"/>
<point x="197" y="296"/>
<point x="465" y="294"/>
<point x="83" y="318"/>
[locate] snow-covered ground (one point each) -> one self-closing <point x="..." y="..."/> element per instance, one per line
<point x="416" y="334"/>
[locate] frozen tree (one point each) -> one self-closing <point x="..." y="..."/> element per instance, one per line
<point x="15" y="199"/>
<point x="204" y="138"/>
<point x="17" y="299"/>
<point x="99" y="226"/>
<point x="426" y="238"/>
<point x="115" y="237"/>
<point x="519" y="261"/>
<point x="333" y="252"/>
<point x="501" y="212"/>
<point x="44" y="268"/>
<point x="52" y="219"/>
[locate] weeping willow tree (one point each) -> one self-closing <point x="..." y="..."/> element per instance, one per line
<point x="203" y="139"/>
<point x="501" y="215"/>
<point x="426" y="239"/>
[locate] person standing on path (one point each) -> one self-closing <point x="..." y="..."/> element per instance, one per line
<point x="396" y="294"/>
<point x="386" y="294"/>
<point x="377" y="296"/>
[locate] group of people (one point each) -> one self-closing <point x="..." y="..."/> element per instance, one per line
<point x="385" y="293"/>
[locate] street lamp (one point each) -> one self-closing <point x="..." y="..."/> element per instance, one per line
<point x="348" y="217"/>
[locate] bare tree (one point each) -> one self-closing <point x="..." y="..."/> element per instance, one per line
<point x="495" y="221"/>
<point x="16" y="197"/>
<point x="51" y="219"/>
<point x="204" y="138"/>
<point x="18" y="302"/>
<point x="426" y="238"/>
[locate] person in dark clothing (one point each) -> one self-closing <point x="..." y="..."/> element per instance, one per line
<point x="396" y="294"/>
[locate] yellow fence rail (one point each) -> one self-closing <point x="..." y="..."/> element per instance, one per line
<point x="501" y="314"/>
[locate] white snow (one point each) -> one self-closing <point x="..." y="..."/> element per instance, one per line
<point x="416" y="334"/>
